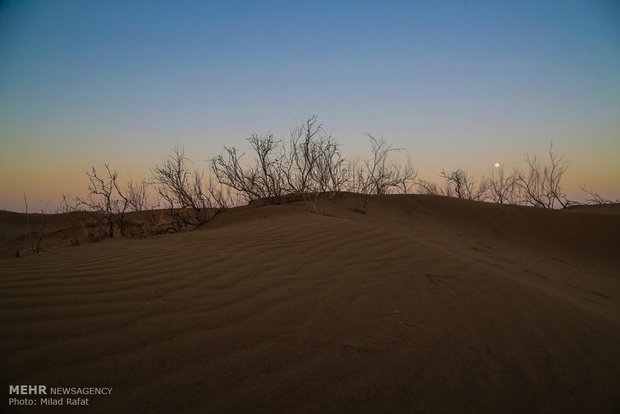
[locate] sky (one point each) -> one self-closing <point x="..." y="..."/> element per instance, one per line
<point x="460" y="84"/>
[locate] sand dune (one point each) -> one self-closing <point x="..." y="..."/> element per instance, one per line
<point x="424" y="304"/>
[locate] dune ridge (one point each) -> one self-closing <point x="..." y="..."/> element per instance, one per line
<point x="424" y="304"/>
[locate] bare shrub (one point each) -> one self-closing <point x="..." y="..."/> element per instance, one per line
<point x="138" y="195"/>
<point x="268" y="172"/>
<point x="329" y="176"/>
<point x="142" y="203"/>
<point x="105" y="203"/>
<point x="429" y="187"/>
<point x="379" y="175"/>
<point x="405" y="176"/>
<point x="68" y="207"/>
<point x="460" y="184"/>
<point x="310" y="167"/>
<point x="28" y="231"/>
<point x="37" y="246"/>
<point x="265" y="179"/>
<point x="540" y="182"/>
<point x="228" y="171"/>
<point x="314" y="166"/>
<point x="303" y="156"/>
<point x="596" y="198"/>
<point x="503" y="188"/>
<point x="189" y="204"/>
<point x="32" y="246"/>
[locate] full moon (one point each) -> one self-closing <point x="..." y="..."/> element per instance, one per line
<point x="496" y="165"/>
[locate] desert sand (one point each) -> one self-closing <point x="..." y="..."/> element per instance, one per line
<point x="424" y="304"/>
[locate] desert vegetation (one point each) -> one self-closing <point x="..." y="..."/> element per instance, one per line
<point x="34" y="246"/>
<point x="308" y="166"/>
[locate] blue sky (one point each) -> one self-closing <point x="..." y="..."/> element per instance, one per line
<point x="459" y="84"/>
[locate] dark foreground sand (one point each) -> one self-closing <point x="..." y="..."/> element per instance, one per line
<point x="425" y="304"/>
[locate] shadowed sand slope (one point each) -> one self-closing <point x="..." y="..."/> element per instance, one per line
<point x="423" y="304"/>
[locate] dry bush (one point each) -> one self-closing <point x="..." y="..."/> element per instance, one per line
<point x="264" y="180"/>
<point x="459" y="184"/>
<point x="429" y="187"/>
<point x="28" y="230"/>
<point x="142" y="203"/>
<point x="405" y="177"/>
<point x="503" y="189"/>
<point x="37" y="246"/>
<point x="138" y="195"/>
<point x="379" y="174"/>
<point x="596" y="198"/>
<point x="33" y="247"/>
<point x="105" y="203"/>
<point x="310" y="168"/>
<point x="315" y="169"/>
<point x="268" y="172"/>
<point x="188" y="202"/>
<point x="540" y="182"/>
<point x="303" y="156"/>
<point x="228" y="171"/>
<point x="75" y="220"/>
<point x="330" y="176"/>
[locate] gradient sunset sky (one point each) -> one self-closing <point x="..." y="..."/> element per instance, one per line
<point x="460" y="84"/>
